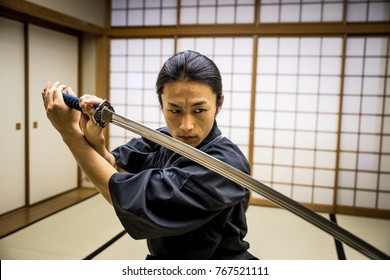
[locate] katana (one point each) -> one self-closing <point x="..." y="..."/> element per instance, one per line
<point x="104" y="114"/>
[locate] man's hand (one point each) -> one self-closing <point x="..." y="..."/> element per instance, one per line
<point x="64" y="119"/>
<point x="92" y="132"/>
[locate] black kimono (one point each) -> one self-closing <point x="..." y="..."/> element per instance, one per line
<point x="184" y="210"/>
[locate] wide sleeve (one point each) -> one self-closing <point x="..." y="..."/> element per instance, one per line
<point x="133" y="156"/>
<point x="138" y="154"/>
<point x="171" y="201"/>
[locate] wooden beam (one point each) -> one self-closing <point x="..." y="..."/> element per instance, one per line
<point x="42" y="16"/>
<point x="283" y="29"/>
<point x="103" y="75"/>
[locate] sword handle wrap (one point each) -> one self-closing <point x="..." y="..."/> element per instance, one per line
<point x="73" y="103"/>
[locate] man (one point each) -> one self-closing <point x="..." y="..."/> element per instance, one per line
<point x="184" y="210"/>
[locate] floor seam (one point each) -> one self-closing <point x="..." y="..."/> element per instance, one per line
<point x="105" y="246"/>
<point x="339" y="245"/>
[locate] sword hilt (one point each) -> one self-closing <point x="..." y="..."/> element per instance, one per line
<point x="73" y="103"/>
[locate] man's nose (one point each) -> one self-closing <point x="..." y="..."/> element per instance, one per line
<point x="187" y="123"/>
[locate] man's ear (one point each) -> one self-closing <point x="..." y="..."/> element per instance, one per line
<point x="220" y="104"/>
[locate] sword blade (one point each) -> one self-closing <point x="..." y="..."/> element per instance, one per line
<point x="246" y="181"/>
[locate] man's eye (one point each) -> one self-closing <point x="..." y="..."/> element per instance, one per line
<point x="173" y="111"/>
<point x="197" y="111"/>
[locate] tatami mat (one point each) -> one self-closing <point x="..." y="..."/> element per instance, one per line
<point x="70" y="234"/>
<point x="276" y="234"/>
<point x="125" y="248"/>
<point x="374" y="231"/>
<point x="89" y="228"/>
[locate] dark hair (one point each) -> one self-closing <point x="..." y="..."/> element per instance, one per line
<point x="190" y="66"/>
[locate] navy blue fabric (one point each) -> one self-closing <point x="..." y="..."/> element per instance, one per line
<point x="184" y="210"/>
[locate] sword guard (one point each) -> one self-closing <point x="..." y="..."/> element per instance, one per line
<point x="97" y="115"/>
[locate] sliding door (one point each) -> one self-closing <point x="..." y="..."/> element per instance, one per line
<point x="52" y="56"/>
<point x="12" y="148"/>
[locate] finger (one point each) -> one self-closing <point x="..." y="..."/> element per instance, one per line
<point x="46" y="89"/>
<point x="44" y="93"/>
<point x="44" y="98"/>
<point x="54" y="86"/>
<point x="48" y="86"/>
<point x="57" y="94"/>
<point x="54" y="95"/>
<point x="83" y="103"/>
<point x="88" y="103"/>
<point x="50" y="92"/>
<point x="90" y="110"/>
<point x="90" y="99"/>
<point x="70" y="91"/>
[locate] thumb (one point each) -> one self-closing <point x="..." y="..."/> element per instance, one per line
<point x="90" y="109"/>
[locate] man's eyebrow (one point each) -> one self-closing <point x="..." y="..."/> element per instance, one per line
<point x="199" y="103"/>
<point x="192" y="105"/>
<point x="172" y="104"/>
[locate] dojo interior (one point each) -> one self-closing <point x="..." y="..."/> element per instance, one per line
<point x="307" y="100"/>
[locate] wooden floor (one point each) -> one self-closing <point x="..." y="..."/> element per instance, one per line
<point x="25" y="216"/>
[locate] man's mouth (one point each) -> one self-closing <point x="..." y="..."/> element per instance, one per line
<point x="186" y="138"/>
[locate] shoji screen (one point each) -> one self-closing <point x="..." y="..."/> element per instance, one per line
<point x="143" y="13"/>
<point x="364" y="175"/>
<point x="300" y="11"/>
<point x="135" y="64"/>
<point x="216" y="12"/>
<point x="233" y="56"/>
<point x="164" y="13"/>
<point x="285" y="11"/>
<point x="368" y="10"/>
<point x="296" y="122"/>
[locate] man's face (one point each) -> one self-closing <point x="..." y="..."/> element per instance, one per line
<point x="189" y="109"/>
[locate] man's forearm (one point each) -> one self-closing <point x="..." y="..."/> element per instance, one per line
<point x="100" y="147"/>
<point x="105" y="154"/>
<point x="98" y="168"/>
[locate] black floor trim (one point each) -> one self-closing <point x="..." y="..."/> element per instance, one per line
<point x="339" y="245"/>
<point x="105" y="246"/>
